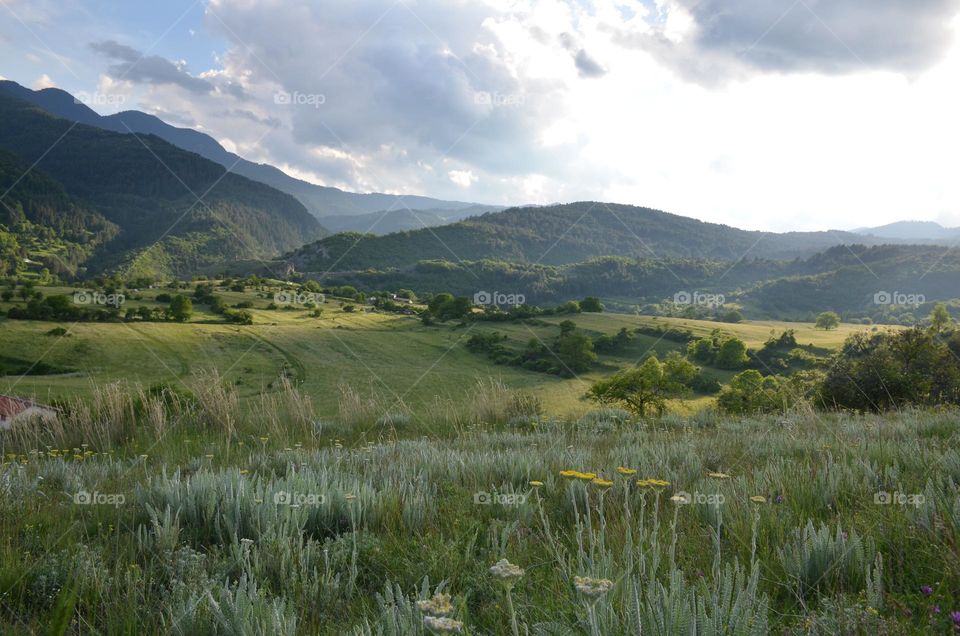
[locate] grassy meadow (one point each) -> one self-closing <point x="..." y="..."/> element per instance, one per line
<point x="389" y="354"/>
<point x="360" y="473"/>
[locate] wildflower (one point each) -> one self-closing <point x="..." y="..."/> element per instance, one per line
<point x="873" y="610"/>
<point x="536" y="484"/>
<point x="568" y="473"/>
<point x="442" y="625"/>
<point x="593" y="588"/>
<point x="439" y="605"/>
<point x="779" y="499"/>
<point x="506" y="571"/>
<point x="349" y="497"/>
<point x="926" y="589"/>
<point x="758" y="499"/>
<point x="602" y="483"/>
<point x="658" y="483"/>
<point x="626" y="472"/>
<point x="586" y="476"/>
<point x="955" y="617"/>
<point x="643" y="483"/>
<point x="246" y="541"/>
<point x="718" y="475"/>
<point x="680" y="499"/>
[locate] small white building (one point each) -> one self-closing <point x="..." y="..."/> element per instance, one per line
<point x="14" y="410"/>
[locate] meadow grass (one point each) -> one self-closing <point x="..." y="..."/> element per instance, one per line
<point x="196" y="514"/>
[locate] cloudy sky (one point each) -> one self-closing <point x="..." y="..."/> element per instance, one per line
<point x="763" y="114"/>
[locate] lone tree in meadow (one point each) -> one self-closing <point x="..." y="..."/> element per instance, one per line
<point x="828" y="320"/>
<point x="181" y="308"/>
<point x="646" y="387"/>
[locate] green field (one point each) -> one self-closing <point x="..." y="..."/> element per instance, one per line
<point x="322" y="473"/>
<point x="395" y="355"/>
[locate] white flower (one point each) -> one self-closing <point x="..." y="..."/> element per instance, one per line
<point x="592" y="587"/>
<point x="439" y="605"/>
<point x="506" y="571"/>
<point x="442" y="625"/>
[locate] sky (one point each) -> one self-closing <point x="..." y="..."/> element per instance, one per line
<point x="761" y="114"/>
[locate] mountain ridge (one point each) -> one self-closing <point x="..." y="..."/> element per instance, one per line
<point x="151" y="191"/>
<point x="321" y="201"/>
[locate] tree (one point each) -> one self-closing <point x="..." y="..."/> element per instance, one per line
<point x="702" y="350"/>
<point x="591" y="304"/>
<point x="640" y="389"/>
<point x="751" y="392"/>
<point x="575" y="350"/>
<point x="732" y="315"/>
<point x="569" y="307"/>
<point x="882" y="371"/>
<point x="940" y="318"/>
<point x="181" y="308"/>
<point x="732" y="354"/>
<point x="567" y="326"/>
<point x="828" y="320"/>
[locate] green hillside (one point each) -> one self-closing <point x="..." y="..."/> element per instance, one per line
<point x="563" y="234"/>
<point x="149" y="190"/>
<point x="40" y="222"/>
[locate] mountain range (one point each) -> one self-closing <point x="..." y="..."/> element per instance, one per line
<point x="564" y="234"/>
<point x="912" y="230"/>
<point x="90" y="198"/>
<point x="83" y="195"/>
<point x="321" y="201"/>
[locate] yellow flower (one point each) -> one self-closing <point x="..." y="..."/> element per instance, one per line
<point x="568" y="473"/>
<point x="626" y="472"/>
<point x="536" y="484"/>
<point x="653" y="483"/>
<point x="758" y="499"/>
<point x="602" y="483"/>
<point x="587" y="476"/>
<point x="718" y="475"/>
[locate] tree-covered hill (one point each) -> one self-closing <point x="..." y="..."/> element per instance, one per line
<point x="149" y="189"/>
<point x="39" y="221"/>
<point x="563" y="234"/>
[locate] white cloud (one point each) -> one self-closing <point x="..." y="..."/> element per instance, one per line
<point x="441" y="95"/>
<point x="463" y="178"/>
<point x="42" y="82"/>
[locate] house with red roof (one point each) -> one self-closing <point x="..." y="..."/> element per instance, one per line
<point x="14" y="409"/>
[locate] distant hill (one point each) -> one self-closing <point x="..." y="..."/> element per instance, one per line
<point x="563" y="234"/>
<point x="321" y="201"/>
<point x="147" y="190"/>
<point x="887" y="283"/>
<point x="389" y="221"/>
<point x="912" y="230"/>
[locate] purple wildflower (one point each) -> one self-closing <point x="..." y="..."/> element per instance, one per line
<point x="926" y="589"/>
<point x="955" y="617"/>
